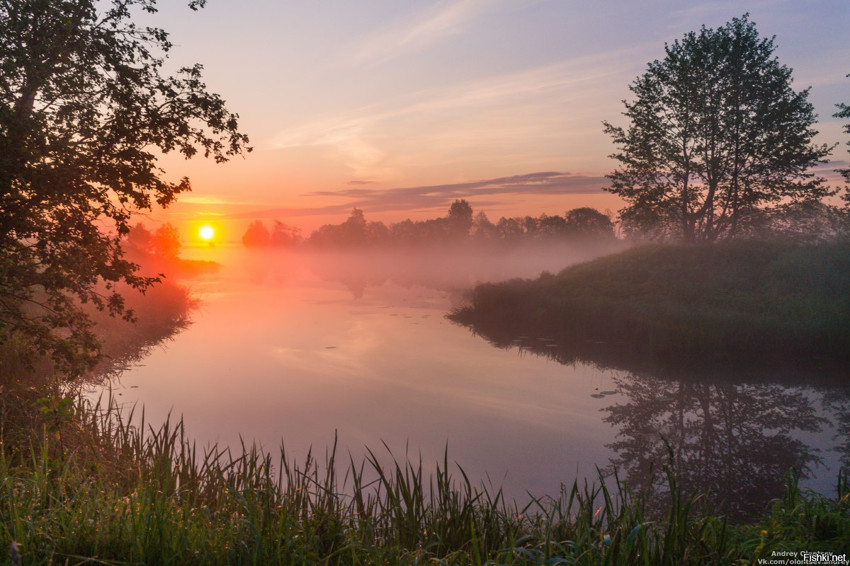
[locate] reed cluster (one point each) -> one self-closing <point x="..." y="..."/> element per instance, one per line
<point x="124" y="492"/>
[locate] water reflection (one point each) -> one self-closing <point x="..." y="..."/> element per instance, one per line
<point x="733" y="441"/>
<point x="276" y="352"/>
<point x="836" y="403"/>
<point x="732" y="434"/>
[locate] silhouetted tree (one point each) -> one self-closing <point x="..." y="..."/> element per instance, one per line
<point x="716" y="135"/>
<point x="284" y="235"/>
<point x="166" y="241"/>
<point x="509" y="228"/>
<point x="806" y="222"/>
<point x="150" y="248"/>
<point x="588" y="222"/>
<point x="482" y="228"/>
<point x="529" y="226"/>
<point x="139" y="239"/>
<point x="551" y="226"/>
<point x="84" y="110"/>
<point x="404" y="232"/>
<point x="355" y="232"/>
<point x="257" y="235"/>
<point x="352" y="232"/>
<point x="460" y="219"/>
<point x="377" y="233"/>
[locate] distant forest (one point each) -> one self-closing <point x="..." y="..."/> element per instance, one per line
<point x="809" y="222"/>
<point x="461" y="224"/>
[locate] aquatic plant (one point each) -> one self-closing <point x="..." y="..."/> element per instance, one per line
<point x="128" y="492"/>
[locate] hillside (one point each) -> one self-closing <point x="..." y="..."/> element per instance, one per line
<point x="753" y="301"/>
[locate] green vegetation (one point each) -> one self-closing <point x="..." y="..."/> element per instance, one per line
<point x="87" y="108"/>
<point x="743" y="301"/>
<point x="718" y="141"/>
<point x="119" y="493"/>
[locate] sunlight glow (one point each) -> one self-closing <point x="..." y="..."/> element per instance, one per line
<point x="206" y="232"/>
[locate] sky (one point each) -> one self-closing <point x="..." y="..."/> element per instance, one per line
<point x="401" y="107"/>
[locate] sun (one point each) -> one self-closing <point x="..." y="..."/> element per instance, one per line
<point x="207" y="233"/>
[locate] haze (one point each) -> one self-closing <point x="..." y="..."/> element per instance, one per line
<point x="400" y="108"/>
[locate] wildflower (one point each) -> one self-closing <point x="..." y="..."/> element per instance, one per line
<point x="763" y="533"/>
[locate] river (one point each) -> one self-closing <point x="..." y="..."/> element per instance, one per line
<point x="290" y="349"/>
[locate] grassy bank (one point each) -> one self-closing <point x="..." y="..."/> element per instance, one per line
<point x="741" y="301"/>
<point x="122" y="494"/>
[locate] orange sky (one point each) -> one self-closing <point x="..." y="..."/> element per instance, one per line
<point x="400" y="108"/>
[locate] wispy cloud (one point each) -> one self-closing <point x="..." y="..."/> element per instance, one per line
<point x="511" y="112"/>
<point x="483" y="192"/>
<point x="213" y="201"/>
<point x="573" y="74"/>
<point x="419" y="31"/>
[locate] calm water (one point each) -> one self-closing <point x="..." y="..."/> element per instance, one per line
<point x="295" y="350"/>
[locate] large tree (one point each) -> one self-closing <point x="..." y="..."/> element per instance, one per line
<point x="85" y="109"/>
<point x="717" y="136"/>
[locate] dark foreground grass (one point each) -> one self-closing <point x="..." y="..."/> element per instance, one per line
<point x="133" y="494"/>
<point x="745" y="301"/>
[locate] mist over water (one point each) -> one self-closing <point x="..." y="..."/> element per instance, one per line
<point x="299" y="347"/>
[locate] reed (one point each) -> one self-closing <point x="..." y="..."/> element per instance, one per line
<point x="127" y="492"/>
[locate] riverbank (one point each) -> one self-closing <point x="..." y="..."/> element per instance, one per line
<point x="130" y="493"/>
<point x="747" y="302"/>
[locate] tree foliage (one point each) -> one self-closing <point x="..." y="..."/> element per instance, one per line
<point x="460" y="219"/>
<point x="257" y="235"/>
<point x="463" y="225"/>
<point x="588" y="222"/>
<point x="85" y="108"/>
<point x="717" y="136"/>
<point x="844" y="112"/>
<point x="162" y="243"/>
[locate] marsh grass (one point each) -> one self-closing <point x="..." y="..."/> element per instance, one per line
<point x="125" y="492"/>
<point x="746" y="303"/>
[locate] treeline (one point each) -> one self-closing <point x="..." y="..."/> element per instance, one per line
<point x="158" y="251"/>
<point x="461" y="224"/>
<point x="163" y="242"/>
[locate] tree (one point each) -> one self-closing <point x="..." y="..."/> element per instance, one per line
<point x="460" y="219"/>
<point x="588" y="222"/>
<point x="717" y="137"/>
<point x="256" y="235"/>
<point x="163" y="243"/>
<point x="551" y="226"/>
<point x="509" y="229"/>
<point x="353" y="232"/>
<point x="85" y="105"/>
<point x="166" y="241"/>
<point x="284" y="235"/>
<point x="482" y="227"/>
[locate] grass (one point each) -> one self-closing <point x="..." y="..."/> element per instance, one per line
<point x="744" y="302"/>
<point x="84" y="483"/>
<point x="124" y="492"/>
